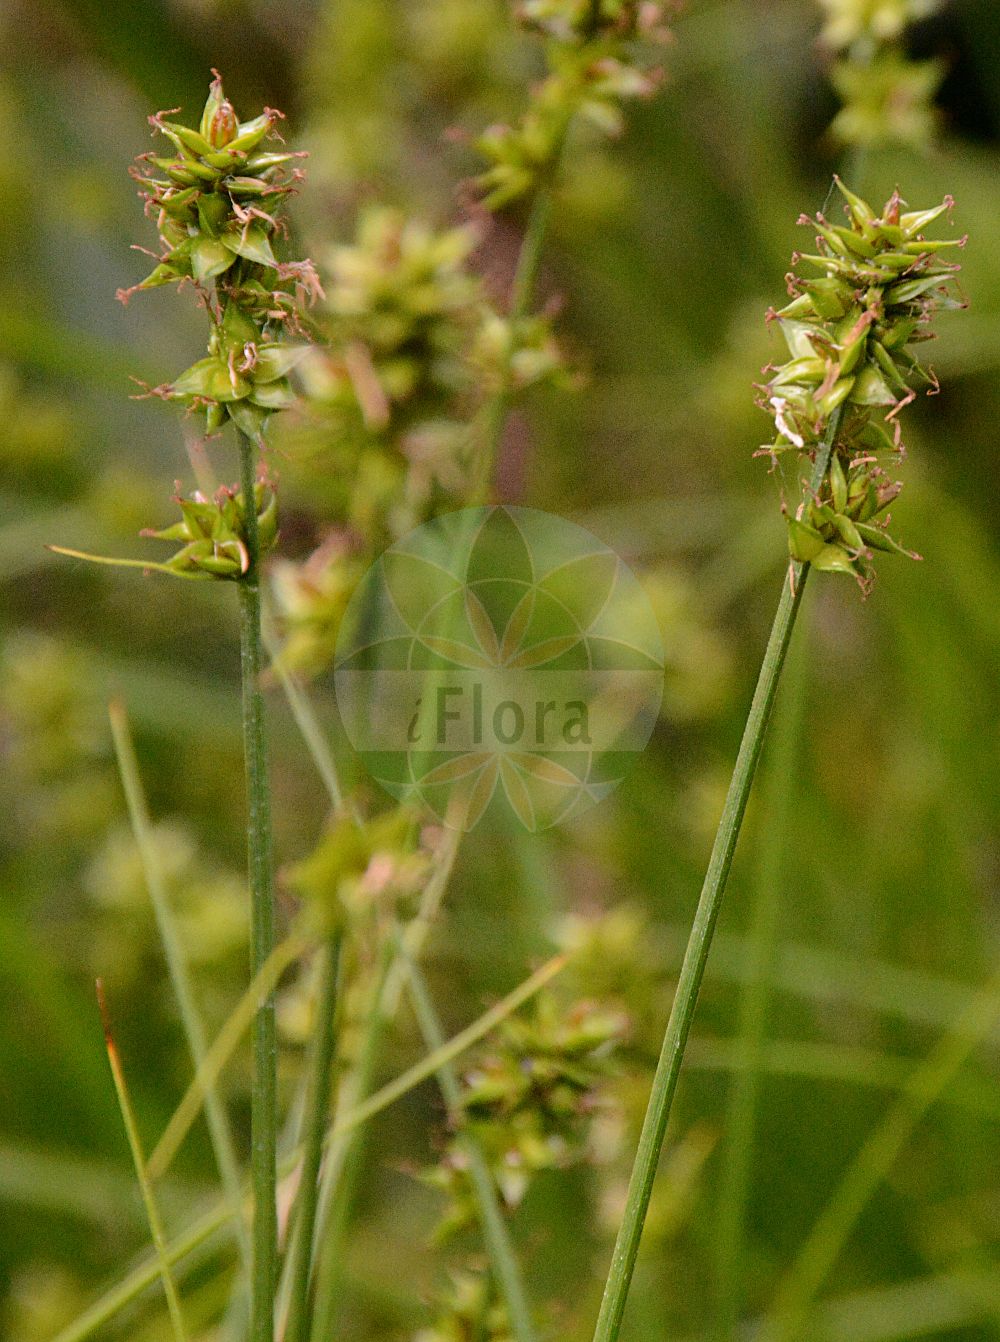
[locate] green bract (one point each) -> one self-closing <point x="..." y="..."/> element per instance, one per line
<point x="214" y="201"/>
<point x="213" y="533"/>
<point x="871" y="290"/>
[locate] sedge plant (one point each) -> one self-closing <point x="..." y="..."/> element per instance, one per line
<point x="856" y="306"/>
<point x="409" y="346"/>
<point x="214" y="196"/>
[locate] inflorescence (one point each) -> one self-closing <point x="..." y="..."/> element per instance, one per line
<point x="848" y="328"/>
<point x="888" y="97"/>
<point x="597" y="56"/>
<point x="215" y="201"/>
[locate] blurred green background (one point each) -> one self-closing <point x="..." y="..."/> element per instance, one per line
<point x="883" y="803"/>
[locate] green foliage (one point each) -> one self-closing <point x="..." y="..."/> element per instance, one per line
<point x="596" y="61"/>
<point x="663" y="249"/>
<point x="530" y="1101"/>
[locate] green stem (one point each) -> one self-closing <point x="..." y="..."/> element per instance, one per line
<point x="306" y="720"/>
<point x="748" y="1059"/>
<point x="503" y="1260"/>
<point x="342" y="1166"/>
<point x="352" y="1116"/>
<point x="316" y="1125"/>
<point x="668" y="1068"/>
<point x="263" y="1116"/>
<point x="343" y="1161"/>
<point x="334" y="1201"/>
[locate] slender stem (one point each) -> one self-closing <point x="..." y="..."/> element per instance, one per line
<point x="142" y="1175"/>
<point x="503" y="1260"/>
<point x="316" y="1124"/>
<point x="748" y="1059"/>
<point x="342" y="1164"/>
<point x="530" y="256"/>
<point x="343" y="1160"/>
<point x="306" y="720"/>
<point x="332" y="1214"/>
<point x="221" y="1050"/>
<point x="450" y="1050"/>
<point x="177" y="964"/>
<point x="350" y="1118"/>
<point x="263" y="1117"/>
<point x="668" y="1068"/>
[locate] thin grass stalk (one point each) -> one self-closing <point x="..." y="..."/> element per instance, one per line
<point x="264" y="1097"/>
<point x="317" y="1118"/>
<point x="503" y="1260"/>
<point x="867" y="1069"/>
<point x="221" y="1050"/>
<point x="668" y="1068"/>
<point x="142" y="1174"/>
<point x="785" y="1320"/>
<point x="748" y="1059"/>
<point x="177" y="966"/>
<point x="388" y="993"/>
<point x="334" y="1211"/>
<point x="342" y="1158"/>
<point x="217" y="1218"/>
<point x="300" y="1259"/>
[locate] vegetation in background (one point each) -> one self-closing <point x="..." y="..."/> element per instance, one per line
<point x="627" y="381"/>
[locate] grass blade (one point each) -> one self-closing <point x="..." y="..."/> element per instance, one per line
<point x="177" y="967"/>
<point x="219" y="1053"/>
<point x="217" y="1217"/>
<point x="301" y="1252"/>
<point x="449" y="1051"/>
<point x="142" y="1174"/>
<point x="873" y="1162"/>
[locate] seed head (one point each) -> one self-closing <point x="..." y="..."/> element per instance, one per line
<point x="858" y="303"/>
<point x="216" y="203"/>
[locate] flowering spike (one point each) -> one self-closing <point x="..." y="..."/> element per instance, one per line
<point x="848" y="333"/>
<point x="212" y="533"/>
<point x="208" y="200"/>
<point x="593" y="51"/>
